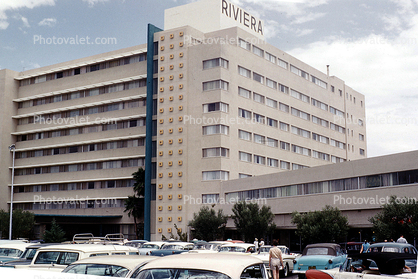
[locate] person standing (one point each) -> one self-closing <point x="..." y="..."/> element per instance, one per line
<point x="275" y="259"/>
<point x="364" y="247"/>
<point x="401" y="239"/>
<point x="261" y="242"/>
<point x="256" y="244"/>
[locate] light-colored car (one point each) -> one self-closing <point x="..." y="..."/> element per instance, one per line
<point x="58" y="257"/>
<point x="12" y="250"/>
<point x="238" y="247"/>
<point x="321" y="256"/>
<point x="205" y="265"/>
<point x="135" y="243"/>
<point x="206" y="247"/>
<point x="146" y="248"/>
<point x="41" y="274"/>
<point x="172" y="248"/>
<point x="288" y="258"/>
<point x="27" y="256"/>
<point x="111" y="266"/>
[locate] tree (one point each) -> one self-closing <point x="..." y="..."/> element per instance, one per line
<point x="327" y="225"/>
<point x="208" y="224"/>
<point x="55" y="234"/>
<point x="398" y="217"/>
<point x="181" y="236"/>
<point x="23" y="222"/>
<point x="134" y="205"/>
<point x="252" y="221"/>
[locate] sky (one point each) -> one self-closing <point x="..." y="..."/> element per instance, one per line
<point x="370" y="44"/>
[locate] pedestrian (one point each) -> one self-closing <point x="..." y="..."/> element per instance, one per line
<point x="401" y="239"/>
<point x="275" y="259"/>
<point x="256" y="244"/>
<point x="364" y="247"/>
<point x="261" y="242"/>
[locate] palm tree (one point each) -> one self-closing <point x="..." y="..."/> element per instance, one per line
<point x="134" y="205"/>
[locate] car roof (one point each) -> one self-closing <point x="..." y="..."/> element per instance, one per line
<point x="128" y="261"/>
<point x="39" y="245"/>
<point x="86" y="248"/>
<point x="229" y="264"/>
<point x="17" y="245"/>
<point x="179" y="243"/>
<point x="157" y="242"/>
<point x="243" y="245"/>
<point x="329" y="245"/>
<point x="390" y="244"/>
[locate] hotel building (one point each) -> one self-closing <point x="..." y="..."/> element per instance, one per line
<point x="204" y="101"/>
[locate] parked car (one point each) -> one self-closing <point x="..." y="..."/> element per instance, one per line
<point x="27" y="256"/>
<point x="206" y="247"/>
<point x="146" y="248"/>
<point x="172" y="248"/>
<point x="379" y="265"/>
<point x="10" y="251"/>
<point x="111" y="266"/>
<point x="238" y="247"/>
<point x="320" y="256"/>
<point x="288" y="258"/>
<point x="395" y="247"/>
<point x="135" y="243"/>
<point x="205" y="265"/>
<point x="58" y="257"/>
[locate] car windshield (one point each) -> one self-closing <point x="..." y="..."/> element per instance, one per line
<point x="56" y="257"/>
<point x="29" y="253"/>
<point x="150" y="246"/>
<point x="172" y="247"/>
<point x="202" y="246"/>
<point x="9" y="252"/>
<point x="319" y="251"/>
<point x="97" y="269"/>
<point x="180" y="274"/>
<point x="232" y="249"/>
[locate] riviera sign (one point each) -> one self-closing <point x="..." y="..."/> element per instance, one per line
<point x="241" y="16"/>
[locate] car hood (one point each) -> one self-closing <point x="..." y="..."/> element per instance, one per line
<point x="314" y="259"/>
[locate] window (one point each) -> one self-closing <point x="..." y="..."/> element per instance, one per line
<point x="271" y="103"/>
<point x="297" y="166"/>
<point x="319" y="104"/>
<point x="300" y="114"/>
<point x="40" y="79"/>
<point x="361" y="137"/>
<point x="319" y="82"/>
<point x="258" y="51"/>
<point x="362" y="151"/>
<point x="272" y="162"/>
<point x="299" y="96"/>
<point x="244" y="44"/>
<point x="335" y="159"/>
<point x="299" y="72"/>
<point x="284" y="107"/>
<point x="284" y="126"/>
<point x="258" y="98"/>
<point x="243" y="175"/>
<point x="285" y="146"/>
<point x="215" y="129"/>
<point x="244" y="135"/>
<point x="270" y="57"/>
<point x="337" y="128"/>
<point x="336" y="111"/>
<point x="216" y="62"/>
<point x="320" y="155"/>
<point x="360" y="122"/>
<point x="259" y="160"/>
<point x="320" y="121"/>
<point x="244" y="72"/>
<point x="301" y="150"/>
<point x="282" y="63"/>
<point x="245" y="157"/>
<point x="284" y="165"/>
<point x="244" y="92"/>
<point x="272" y="122"/>
<point x="219" y="106"/>
<point x="215" y="152"/>
<point x="320" y="138"/>
<point x="272" y="142"/>
<point x="259" y="139"/>
<point x="259" y="118"/>
<point x="244" y="113"/>
<point x="215" y="84"/>
<point x="284" y="89"/>
<point x="271" y="83"/>
<point x="215" y="175"/>
<point x="301" y="132"/>
<point x="258" y="78"/>
<point x="94" y="67"/>
<point x="337" y="143"/>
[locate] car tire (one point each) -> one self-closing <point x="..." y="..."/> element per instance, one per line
<point x="285" y="271"/>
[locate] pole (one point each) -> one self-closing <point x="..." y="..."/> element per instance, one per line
<point x="13" y="149"/>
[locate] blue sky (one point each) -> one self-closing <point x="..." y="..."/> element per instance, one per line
<point x="372" y="45"/>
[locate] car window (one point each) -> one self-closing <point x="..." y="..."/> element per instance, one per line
<point x="29" y="253"/>
<point x="97" y="269"/>
<point x="254" y="271"/>
<point x="99" y="254"/>
<point x="162" y="273"/>
<point x="54" y="257"/>
<point x="9" y="252"/>
<point x="318" y="251"/>
<point x="150" y="246"/>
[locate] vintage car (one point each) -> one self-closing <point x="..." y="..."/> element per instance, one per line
<point x="27" y="256"/>
<point x="320" y="256"/>
<point x="205" y="265"/>
<point x="206" y="247"/>
<point x="146" y="248"/>
<point x="378" y="265"/>
<point x="172" y="248"/>
<point x="10" y="251"/>
<point x="58" y="257"/>
<point x="288" y="258"/>
<point x="238" y="247"/>
<point x="392" y="247"/>
<point x="135" y="243"/>
<point x="111" y="266"/>
<point x="42" y="274"/>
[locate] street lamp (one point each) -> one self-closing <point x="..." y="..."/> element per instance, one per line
<point x="12" y="148"/>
